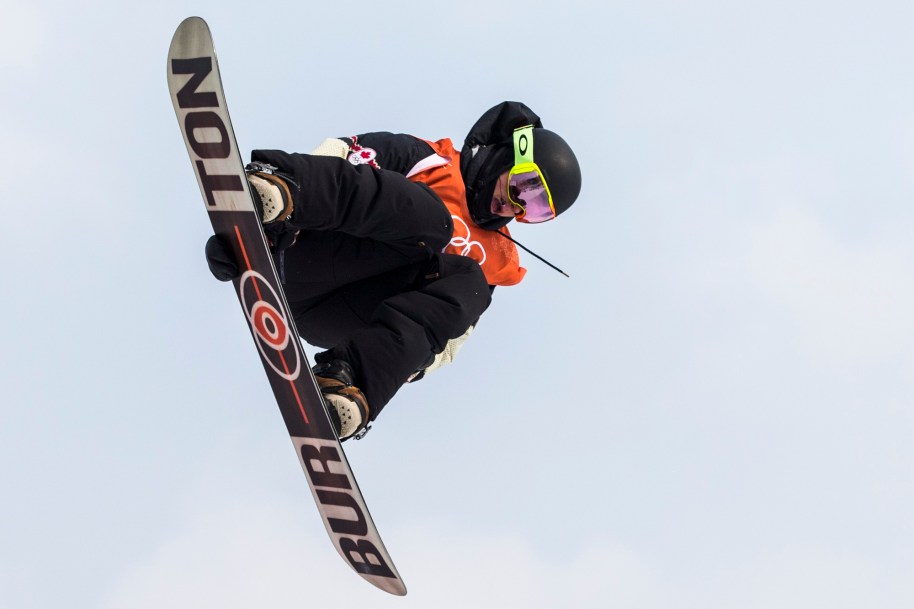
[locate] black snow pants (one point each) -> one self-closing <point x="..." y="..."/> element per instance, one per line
<point x="365" y="277"/>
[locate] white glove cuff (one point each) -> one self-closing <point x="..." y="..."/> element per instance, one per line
<point x="332" y="147"/>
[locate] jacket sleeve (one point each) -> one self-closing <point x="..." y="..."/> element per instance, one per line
<point x="331" y="194"/>
<point x="397" y="152"/>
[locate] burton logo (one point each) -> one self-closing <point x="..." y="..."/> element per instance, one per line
<point x="343" y="508"/>
<point x="206" y="133"/>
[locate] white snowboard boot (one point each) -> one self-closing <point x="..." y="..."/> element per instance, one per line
<point x="348" y="407"/>
<point x="271" y="193"/>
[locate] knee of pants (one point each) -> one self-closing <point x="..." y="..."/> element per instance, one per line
<point x="473" y="280"/>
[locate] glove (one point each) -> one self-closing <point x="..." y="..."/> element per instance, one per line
<point x="332" y="147"/>
<point x="450" y="351"/>
<point x="220" y="259"/>
<point x="442" y="359"/>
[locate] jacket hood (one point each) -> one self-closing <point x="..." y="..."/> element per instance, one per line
<point x="488" y="152"/>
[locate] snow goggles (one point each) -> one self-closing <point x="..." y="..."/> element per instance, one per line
<point x="527" y="188"/>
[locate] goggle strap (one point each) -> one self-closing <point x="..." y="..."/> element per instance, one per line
<point x="529" y="251"/>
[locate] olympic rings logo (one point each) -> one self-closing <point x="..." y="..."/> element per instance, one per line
<point x="464" y="244"/>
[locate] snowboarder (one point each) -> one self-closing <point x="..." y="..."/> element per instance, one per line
<point x="389" y="250"/>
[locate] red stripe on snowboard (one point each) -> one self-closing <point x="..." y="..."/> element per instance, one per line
<point x="285" y="365"/>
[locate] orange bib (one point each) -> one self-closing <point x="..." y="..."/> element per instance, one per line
<point x="496" y="255"/>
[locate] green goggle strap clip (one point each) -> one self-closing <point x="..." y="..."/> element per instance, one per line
<point x="523" y="145"/>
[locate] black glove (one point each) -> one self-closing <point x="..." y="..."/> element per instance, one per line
<point x="220" y="259"/>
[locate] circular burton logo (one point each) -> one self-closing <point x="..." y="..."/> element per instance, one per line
<point x="263" y="308"/>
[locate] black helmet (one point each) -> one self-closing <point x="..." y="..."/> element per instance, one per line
<point x="488" y="152"/>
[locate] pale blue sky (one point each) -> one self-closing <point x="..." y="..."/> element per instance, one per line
<point x="717" y="412"/>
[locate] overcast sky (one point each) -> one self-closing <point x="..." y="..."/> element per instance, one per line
<point x="715" y="411"/>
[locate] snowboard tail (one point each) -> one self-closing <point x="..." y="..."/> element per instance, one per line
<point x="199" y="102"/>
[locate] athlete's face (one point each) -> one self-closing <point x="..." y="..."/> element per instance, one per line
<point x="501" y="206"/>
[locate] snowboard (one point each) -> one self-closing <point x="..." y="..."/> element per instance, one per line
<point x="199" y="102"/>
